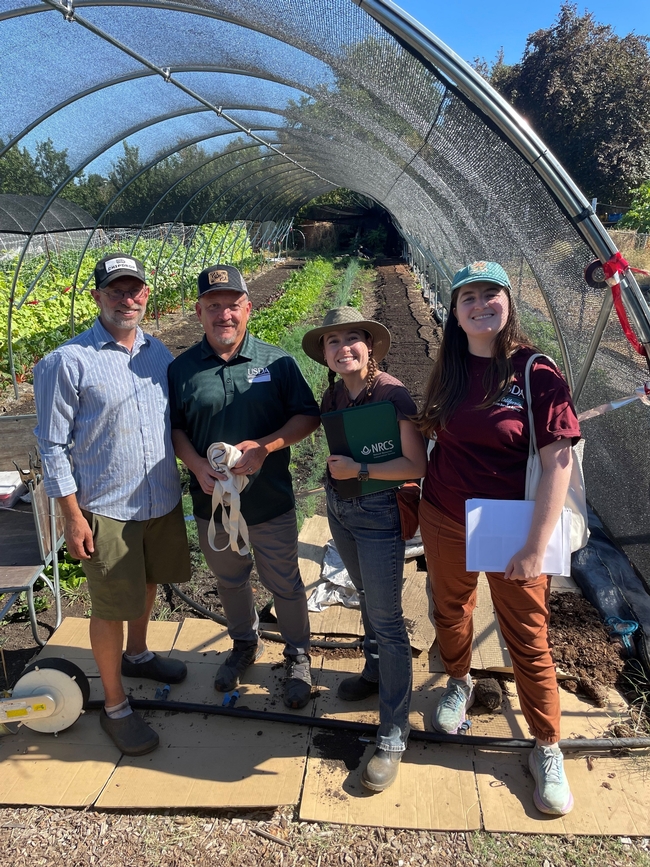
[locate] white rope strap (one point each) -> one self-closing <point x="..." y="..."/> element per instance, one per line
<point x="222" y="457"/>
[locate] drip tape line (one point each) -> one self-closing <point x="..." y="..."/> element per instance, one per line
<point x="492" y="743"/>
<point x="264" y="633"/>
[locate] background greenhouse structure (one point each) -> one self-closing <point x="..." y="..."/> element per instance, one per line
<point x="289" y="101"/>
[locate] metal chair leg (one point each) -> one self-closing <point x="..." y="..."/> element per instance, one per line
<point x="55" y="561"/>
<point x="32" y="615"/>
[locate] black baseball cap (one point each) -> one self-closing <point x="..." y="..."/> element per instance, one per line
<point x="221" y="277"/>
<point x="117" y="265"/>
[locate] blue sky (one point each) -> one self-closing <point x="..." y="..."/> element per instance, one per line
<point x="478" y="28"/>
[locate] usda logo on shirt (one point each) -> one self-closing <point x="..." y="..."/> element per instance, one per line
<point x="258" y="374"/>
<point x="381" y="449"/>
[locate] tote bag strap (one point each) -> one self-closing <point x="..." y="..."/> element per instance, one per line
<point x="532" y="436"/>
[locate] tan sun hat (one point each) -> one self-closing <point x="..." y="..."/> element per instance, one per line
<point x="344" y="319"/>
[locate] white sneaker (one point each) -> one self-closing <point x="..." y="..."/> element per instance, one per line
<point x="552" y="793"/>
<point x="450" y="711"/>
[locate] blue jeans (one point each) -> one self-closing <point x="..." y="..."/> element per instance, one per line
<point x="367" y="534"/>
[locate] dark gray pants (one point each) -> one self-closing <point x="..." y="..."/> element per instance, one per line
<point x="275" y="544"/>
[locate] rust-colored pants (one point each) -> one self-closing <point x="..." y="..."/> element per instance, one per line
<point x="521" y="609"/>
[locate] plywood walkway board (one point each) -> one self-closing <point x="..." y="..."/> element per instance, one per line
<point x="612" y="798"/>
<point x="213" y="762"/>
<point x="72" y="641"/>
<point x="429" y="662"/>
<point x="314" y="535"/>
<point x="435" y="783"/>
<point x="208" y="761"/>
<point x="489" y="651"/>
<point x="203" y="645"/>
<point x="417" y="608"/>
<point x="65" y="771"/>
<point x="335" y="619"/>
<point x="435" y="790"/>
<point x="442" y="799"/>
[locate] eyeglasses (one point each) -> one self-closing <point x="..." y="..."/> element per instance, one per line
<point x="121" y="294"/>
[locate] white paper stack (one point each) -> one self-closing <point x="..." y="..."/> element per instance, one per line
<point x="497" y="529"/>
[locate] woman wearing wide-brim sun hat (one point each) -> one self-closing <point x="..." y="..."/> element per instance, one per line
<point x="367" y="530"/>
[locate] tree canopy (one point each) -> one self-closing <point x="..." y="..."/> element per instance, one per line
<point x="40" y="174"/>
<point x="586" y="92"/>
<point x="171" y="182"/>
<point x="638" y="217"/>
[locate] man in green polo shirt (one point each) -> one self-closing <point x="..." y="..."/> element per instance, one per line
<point x="233" y="388"/>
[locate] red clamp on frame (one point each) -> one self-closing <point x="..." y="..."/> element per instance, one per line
<point x="612" y="270"/>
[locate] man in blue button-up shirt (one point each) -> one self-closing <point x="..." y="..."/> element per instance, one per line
<point x="105" y="442"/>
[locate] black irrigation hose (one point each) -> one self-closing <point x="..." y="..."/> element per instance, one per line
<point x="269" y="636"/>
<point x="493" y="743"/>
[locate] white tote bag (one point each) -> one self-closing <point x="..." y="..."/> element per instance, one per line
<point x="576" y="499"/>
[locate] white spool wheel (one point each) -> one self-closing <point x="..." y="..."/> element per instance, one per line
<point x="65" y="682"/>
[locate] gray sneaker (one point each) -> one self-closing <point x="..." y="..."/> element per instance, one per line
<point x="552" y="793"/>
<point x="452" y="706"/>
<point x="297" y="680"/>
<point x="235" y="664"/>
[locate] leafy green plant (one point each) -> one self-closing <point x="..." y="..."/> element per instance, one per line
<point x="20" y="609"/>
<point x="71" y="574"/>
<point x="298" y="300"/>
<point x="638" y="217"/>
<point x="375" y="239"/>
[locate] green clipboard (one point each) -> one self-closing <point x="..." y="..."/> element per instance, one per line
<point x="367" y="434"/>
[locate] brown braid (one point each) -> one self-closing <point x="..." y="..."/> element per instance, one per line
<point x="373" y="370"/>
<point x="331" y="378"/>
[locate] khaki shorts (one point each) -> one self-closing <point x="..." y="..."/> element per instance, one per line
<point x="131" y="554"/>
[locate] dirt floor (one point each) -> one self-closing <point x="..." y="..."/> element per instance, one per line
<point x="39" y="836"/>
<point x="399" y="305"/>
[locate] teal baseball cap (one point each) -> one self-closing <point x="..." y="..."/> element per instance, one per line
<point x="483" y="272"/>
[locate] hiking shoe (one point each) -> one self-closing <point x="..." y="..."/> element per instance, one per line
<point x="357" y="688"/>
<point x="235" y="664"/>
<point x="297" y="680"/>
<point x="454" y="702"/>
<point x="381" y="770"/>
<point x="552" y="793"/>
<point x="130" y="734"/>
<point x="160" y="668"/>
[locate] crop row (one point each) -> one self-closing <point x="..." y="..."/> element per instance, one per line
<point x="43" y="320"/>
<point x="301" y="293"/>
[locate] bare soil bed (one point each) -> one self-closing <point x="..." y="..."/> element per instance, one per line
<point x="41" y="836"/>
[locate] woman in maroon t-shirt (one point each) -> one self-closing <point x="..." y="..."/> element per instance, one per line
<point x="475" y="410"/>
<point x="366" y="529"/>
